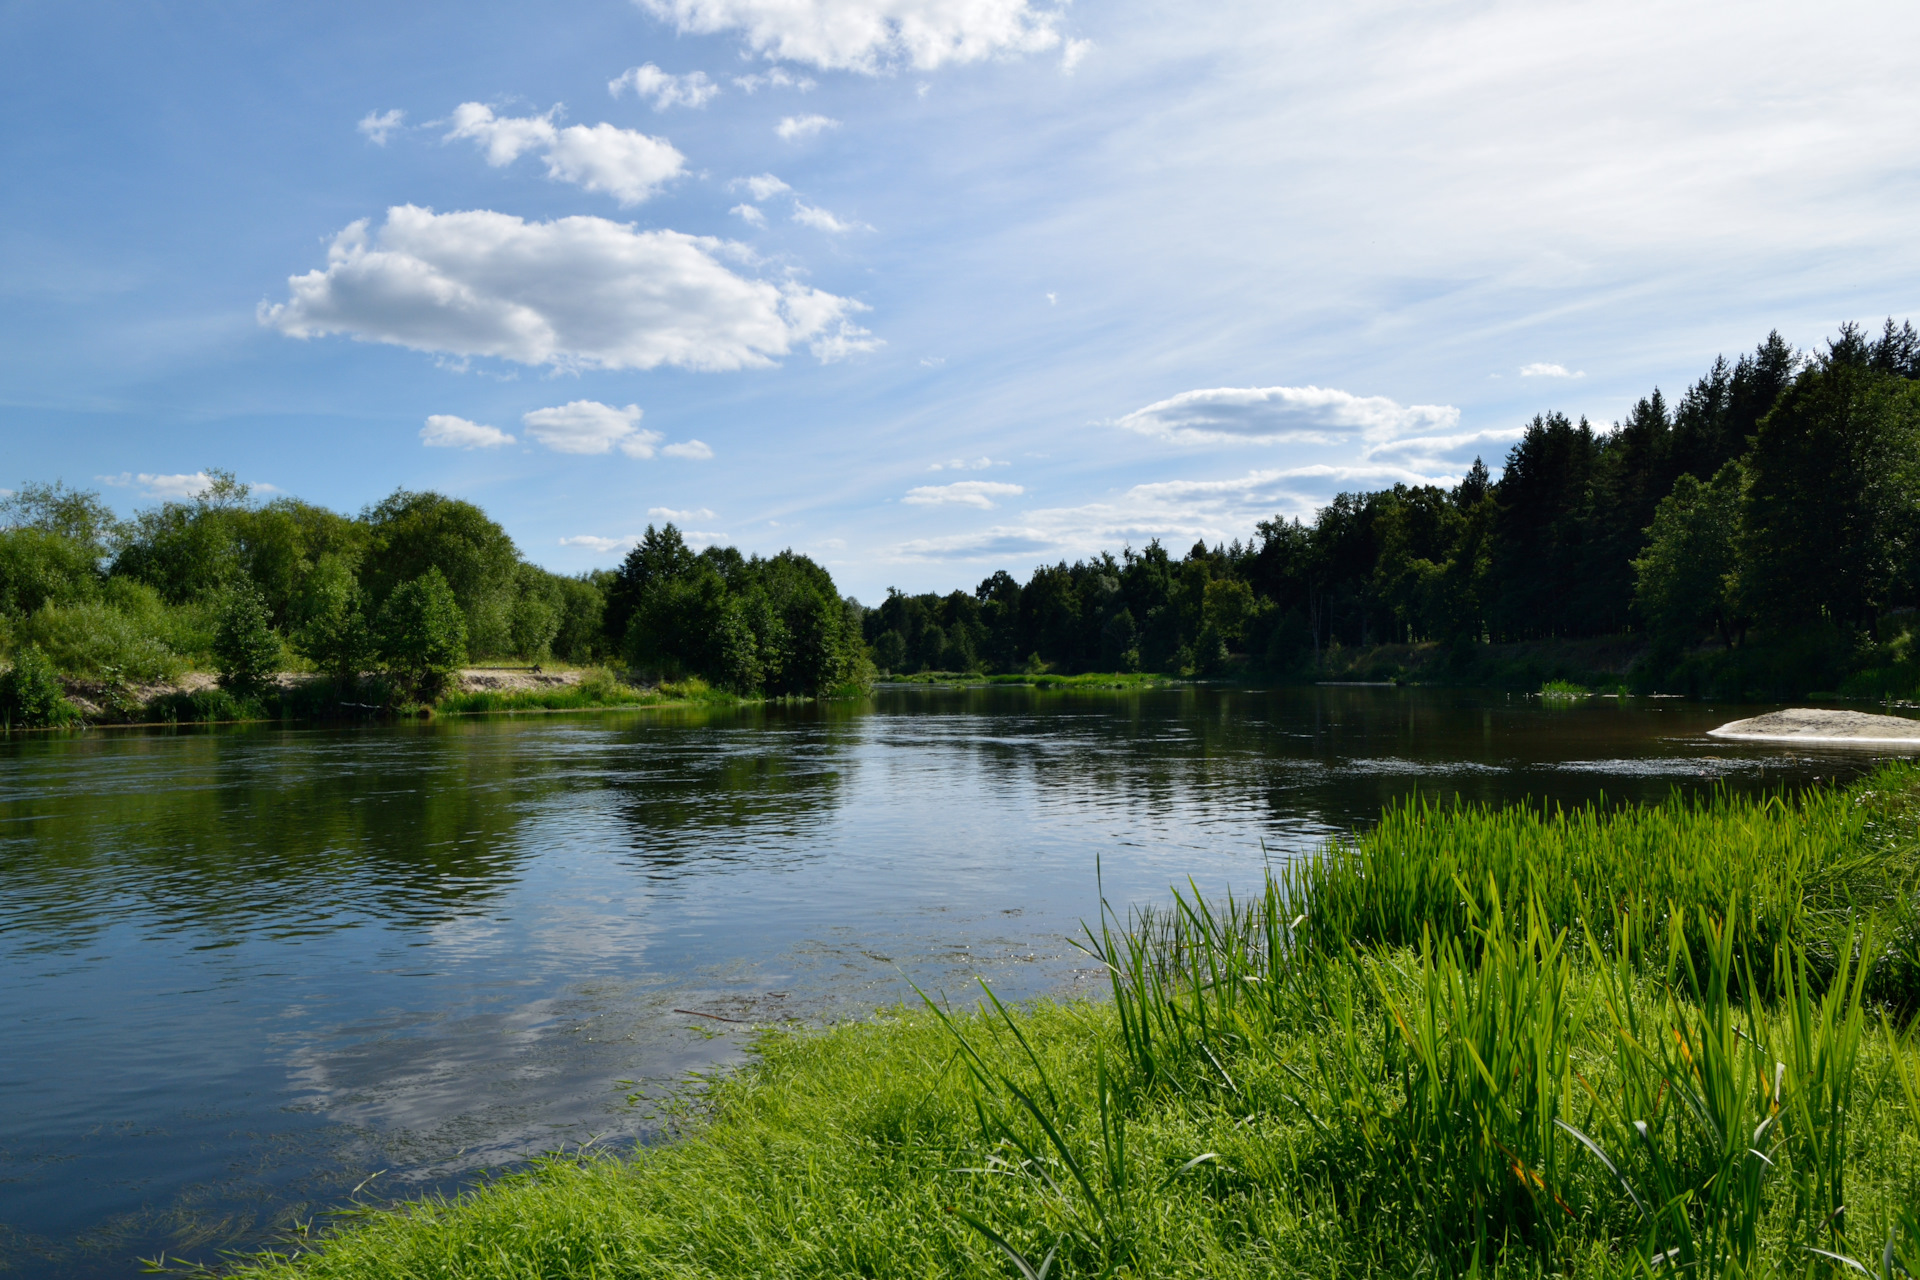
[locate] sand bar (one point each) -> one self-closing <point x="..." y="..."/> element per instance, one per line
<point x="1815" y="724"/>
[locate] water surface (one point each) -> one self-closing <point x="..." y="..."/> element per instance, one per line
<point x="243" y="972"/>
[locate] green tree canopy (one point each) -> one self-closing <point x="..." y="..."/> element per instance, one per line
<point x="1833" y="492"/>
<point x="420" y="634"/>
<point x="410" y="533"/>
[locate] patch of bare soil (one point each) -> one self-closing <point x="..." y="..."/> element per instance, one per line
<point x="509" y="679"/>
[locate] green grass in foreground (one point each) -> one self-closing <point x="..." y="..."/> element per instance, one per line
<point x="1650" y="1044"/>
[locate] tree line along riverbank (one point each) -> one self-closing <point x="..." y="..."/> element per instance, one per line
<point x="1754" y="538"/>
<point x="1511" y="1041"/>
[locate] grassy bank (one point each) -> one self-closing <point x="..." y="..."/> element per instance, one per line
<point x="1468" y="1041"/>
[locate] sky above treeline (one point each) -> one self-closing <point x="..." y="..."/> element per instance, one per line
<point x="922" y="288"/>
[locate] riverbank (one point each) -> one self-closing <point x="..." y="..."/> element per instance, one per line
<point x="197" y="698"/>
<point x="1422" y="1051"/>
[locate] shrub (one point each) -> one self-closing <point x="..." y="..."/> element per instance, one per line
<point x="333" y="632"/>
<point x="30" y="693"/>
<point x="246" y="651"/>
<point x="421" y="635"/>
<point x="93" y="638"/>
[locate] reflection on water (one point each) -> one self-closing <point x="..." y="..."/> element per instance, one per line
<point x="241" y="972"/>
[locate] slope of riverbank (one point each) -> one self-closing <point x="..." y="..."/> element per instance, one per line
<point x="197" y="697"/>
<point x="1421" y="1052"/>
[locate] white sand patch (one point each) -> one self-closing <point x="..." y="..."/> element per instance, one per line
<point x="1813" y="724"/>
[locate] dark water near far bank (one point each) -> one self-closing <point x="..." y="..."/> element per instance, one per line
<point x="241" y="972"/>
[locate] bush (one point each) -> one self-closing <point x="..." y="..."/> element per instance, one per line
<point x="333" y="632"/>
<point x="94" y="638"/>
<point x="30" y="693"/>
<point x="421" y="635"/>
<point x="246" y="651"/>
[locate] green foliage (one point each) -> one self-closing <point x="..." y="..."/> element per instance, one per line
<point x="332" y="631"/>
<point x="773" y="626"/>
<point x="30" y="693"/>
<point x="1833" y="497"/>
<point x="534" y="618"/>
<point x="412" y="533"/>
<point x="40" y="568"/>
<point x="109" y="639"/>
<point x="246" y="651"/>
<point x="186" y="550"/>
<point x="1687" y="580"/>
<point x="420" y="635"/>
<point x="580" y="636"/>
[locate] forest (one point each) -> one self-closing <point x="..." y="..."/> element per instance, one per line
<point x="390" y="603"/>
<point x="1757" y="534"/>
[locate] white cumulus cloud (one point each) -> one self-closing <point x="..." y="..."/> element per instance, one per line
<point x="444" y="431"/>
<point x="962" y="464"/>
<point x="376" y="125"/>
<point x="966" y="493"/>
<point x="821" y="220"/>
<point x="1543" y="370"/>
<point x="574" y="293"/>
<point x="868" y="35"/>
<point x="749" y="214"/>
<point x="761" y="186"/>
<point x="689" y="450"/>
<point x="670" y="513"/>
<point x="1267" y="415"/>
<point x="587" y="426"/>
<point x="792" y="128"/>
<point x="665" y="91"/>
<point x="623" y="163"/>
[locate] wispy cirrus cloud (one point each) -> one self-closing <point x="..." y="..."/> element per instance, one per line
<point x="966" y="493"/>
<point x="1177" y="512"/>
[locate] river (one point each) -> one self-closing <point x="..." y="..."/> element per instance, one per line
<point x="249" y="974"/>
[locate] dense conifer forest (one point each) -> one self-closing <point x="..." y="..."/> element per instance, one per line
<point x="1758" y="531"/>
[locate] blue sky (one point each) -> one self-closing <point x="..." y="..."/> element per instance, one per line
<point x="923" y="288"/>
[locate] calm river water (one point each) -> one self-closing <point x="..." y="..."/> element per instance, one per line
<point x="243" y="972"/>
